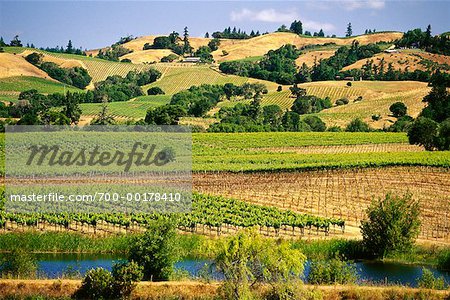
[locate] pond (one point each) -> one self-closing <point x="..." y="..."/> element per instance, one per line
<point x="58" y="264"/>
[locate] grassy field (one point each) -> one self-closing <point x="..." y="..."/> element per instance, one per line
<point x="178" y="77"/>
<point x="15" y="85"/>
<point x="135" y="108"/>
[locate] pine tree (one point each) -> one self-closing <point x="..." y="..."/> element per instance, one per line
<point x="427" y="39"/>
<point x="207" y="35"/>
<point x="349" y="31"/>
<point x="69" y="47"/>
<point x="321" y="33"/>
<point x="186" y="45"/>
<point x="16" y="42"/>
<point x="2" y="42"/>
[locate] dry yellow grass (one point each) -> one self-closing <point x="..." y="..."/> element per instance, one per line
<point x="138" y="44"/>
<point x="405" y="59"/>
<point x="15" y="65"/>
<point x="258" y="46"/>
<point x="310" y="57"/>
<point x="378" y="96"/>
<point x="153" y="55"/>
<point x="62" y="62"/>
<point x="201" y="290"/>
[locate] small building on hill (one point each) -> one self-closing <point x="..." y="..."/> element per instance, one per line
<point x="192" y="60"/>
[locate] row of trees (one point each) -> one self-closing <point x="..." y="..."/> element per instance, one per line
<point x="76" y="76"/>
<point x="277" y="65"/>
<point x="173" y="42"/>
<point x="417" y="38"/>
<point x="432" y="128"/>
<point x="234" y="33"/>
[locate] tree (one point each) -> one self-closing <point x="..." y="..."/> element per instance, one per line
<point x="427" y="38"/>
<point x="349" y="31"/>
<point x="16" y="42"/>
<point x="296" y="27"/>
<point x="315" y="123"/>
<point x="357" y="125"/>
<point x="424" y="132"/>
<point x="321" y="33"/>
<point x="72" y="108"/>
<point x="246" y="259"/>
<point x="2" y="42"/>
<point x="34" y="58"/>
<point x="398" y="109"/>
<point x="186" y="45"/>
<point x="155" y="250"/>
<point x="156" y="90"/>
<point x="103" y="117"/>
<point x="207" y="35"/>
<point x="69" y="48"/>
<point x="214" y="44"/>
<point x="392" y="224"/>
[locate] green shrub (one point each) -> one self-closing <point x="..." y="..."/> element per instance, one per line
<point x="125" y="275"/>
<point x="331" y="272"/>
<point x="155" y="91"/>
<point x="429" y="281"/>
<point x="342" y="101"/>
<point x="398" y="109"/>
<point x="357" y="125"/>
<point x="392" y="225"/>
<point x="444" y="260"/>
<point x="97" y="284"/>
<point x="155" y="250"/>
<point x="18" y="264"/>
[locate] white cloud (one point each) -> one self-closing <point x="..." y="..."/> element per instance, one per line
<point x="265" y="15"/>
<point x="316" y="26"/>
<point x="359" y="4"/>
<point x="273" y="16"/>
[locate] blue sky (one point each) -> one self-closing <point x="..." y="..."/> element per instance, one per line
<point x="101" y="23"/>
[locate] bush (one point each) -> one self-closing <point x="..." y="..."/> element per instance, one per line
<point x="118" y="284"/>
<point x="155" y="250"/>
<point x="402" y="124"/>
<point x="125" y="60"/>
<point x="279" y="88"/>
<point x="125" y="275"/>
<point x="155" y="91"/>
<point x="349" y="84"/>
<point x="357" y="125"/>
<point x="444" y="260"/>
<point x="429" y="281"/>
<point x="97" y="284"/>
<point x="18" y="264"/>
<point x="342" y="101"/>
<point x="248" y="257"/>
<point x="398" y="109"/>
<point x="34" y="58"/>
<point x="333" y="271"/>
<point x="358" y="99"/>
<point x="376" y="117"/>
<point x="334" y="129"/>
<point x="169" y="58"/>
<point x="315" y="123"/>
<point x="392" y="224"/>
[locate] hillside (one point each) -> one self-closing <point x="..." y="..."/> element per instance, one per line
<point x="260" y="45"/>
<point x="310" y="57"/>
<point x="407" y="60"/>
<point x="257" y="46"/>
<point x="15" y="65"/>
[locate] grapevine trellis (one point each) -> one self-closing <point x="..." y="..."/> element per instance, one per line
<point x="210" y="215"/>
<point x="343" y="194"/>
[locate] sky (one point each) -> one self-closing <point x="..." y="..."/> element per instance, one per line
<point x="94" y="24"/>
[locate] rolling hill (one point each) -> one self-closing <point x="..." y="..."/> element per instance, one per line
<point x="411" y="59"/>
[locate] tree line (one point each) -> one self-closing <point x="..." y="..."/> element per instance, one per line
<point x="76" y="76"/>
